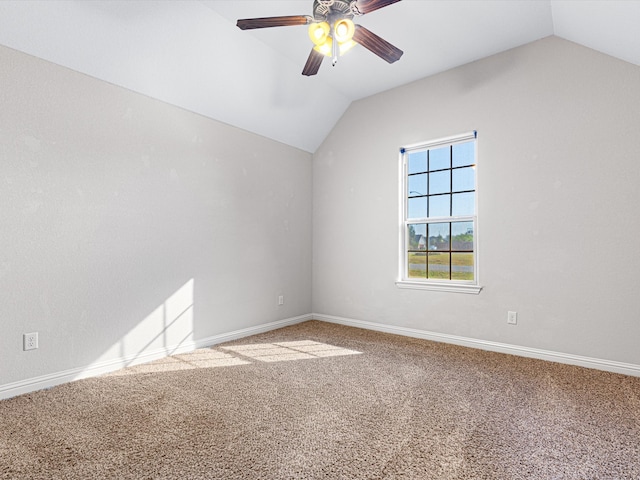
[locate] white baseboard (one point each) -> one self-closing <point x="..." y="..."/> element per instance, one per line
<point x="567" y="358"/>
<point x="98" y="368"/>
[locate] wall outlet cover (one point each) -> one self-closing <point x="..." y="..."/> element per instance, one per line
<point x="30" y="341"/>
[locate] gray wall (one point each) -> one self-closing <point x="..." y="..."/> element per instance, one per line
<point x="129" y="225"/>
<point x="558" y="196"/>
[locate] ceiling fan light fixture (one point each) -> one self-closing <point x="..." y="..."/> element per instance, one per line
<point x="319" y="32"/>
<point x="346" y="46"/>
<point x="325" y="48"/>
<point x="343" y="30"/>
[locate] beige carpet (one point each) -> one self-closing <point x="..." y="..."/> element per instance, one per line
<point x="322" y="401"/>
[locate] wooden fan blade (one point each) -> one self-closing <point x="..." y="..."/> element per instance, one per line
<point x="376" y="44"/>
<point x="366" y="6"/>
<point x="266" y="22"/>
<point x="313" y="63"/>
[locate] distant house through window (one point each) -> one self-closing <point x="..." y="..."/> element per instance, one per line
<point x="438" y="210"/>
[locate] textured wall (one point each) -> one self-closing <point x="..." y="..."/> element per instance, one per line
<point x="558" y="192"/>
<point x="128" y="224"/>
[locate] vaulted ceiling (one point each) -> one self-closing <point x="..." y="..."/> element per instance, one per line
<point x="191" y="54"/>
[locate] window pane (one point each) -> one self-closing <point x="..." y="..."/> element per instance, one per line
<point x="464" y="179"/>
<point x="463" y="204"/>
<point x="439" y="158"/>
<point x="417" y="207"/>
<point x="440" y="182"/>
<point x="440" y="206"/>
<point x="462" y="266"/>
<point x="417" y="185"/>
<point x="438" y="265"/>
<point x="417" y="265"/>
<point x="463" y="154"/>
<point x="417" y="235"/>
<point x="462" y="236"/>
<point x="417" y="162"/>
<point x="439" y="236"/>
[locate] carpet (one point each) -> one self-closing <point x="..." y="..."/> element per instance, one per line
<point x="324" y="401"/>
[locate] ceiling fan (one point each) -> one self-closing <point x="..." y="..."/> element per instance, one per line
<point x="332" y="30"/>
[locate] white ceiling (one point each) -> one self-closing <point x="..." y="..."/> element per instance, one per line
<point x="191" y="54"/>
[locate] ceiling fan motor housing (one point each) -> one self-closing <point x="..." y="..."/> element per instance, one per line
<point x="328" y="10"/>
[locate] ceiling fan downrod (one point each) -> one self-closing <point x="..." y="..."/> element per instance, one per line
<point x="334" y="50"/>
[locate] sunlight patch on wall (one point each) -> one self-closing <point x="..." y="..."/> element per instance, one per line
<point x="167" y="328"/>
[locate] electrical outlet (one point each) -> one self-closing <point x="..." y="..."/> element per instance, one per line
<point x="281" y="300"/>
<point x="512" y="318"/>
<point x="30" y="341"/>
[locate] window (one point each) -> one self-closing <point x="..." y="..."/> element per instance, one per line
<point x="438" y="241"/>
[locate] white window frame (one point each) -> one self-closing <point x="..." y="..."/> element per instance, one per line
<point x="403" y="281"/>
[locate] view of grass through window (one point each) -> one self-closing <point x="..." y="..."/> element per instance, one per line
<point x="448" y="256"/>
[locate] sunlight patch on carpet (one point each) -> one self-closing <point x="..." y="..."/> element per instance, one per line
<point x="239" y="355"/>
<point x="201" y="358"/>
<point x="285" y="351"/>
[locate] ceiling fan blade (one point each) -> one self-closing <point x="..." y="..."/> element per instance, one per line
<point x="366" y="6"/>
<point x="266" y="22"/>
<point x="376" y="44"/>
<point x="313" y="63"/>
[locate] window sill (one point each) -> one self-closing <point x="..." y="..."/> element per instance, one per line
<point x="440" y="287"/>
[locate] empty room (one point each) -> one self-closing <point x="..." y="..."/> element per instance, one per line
<point x="319" y="239"/>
